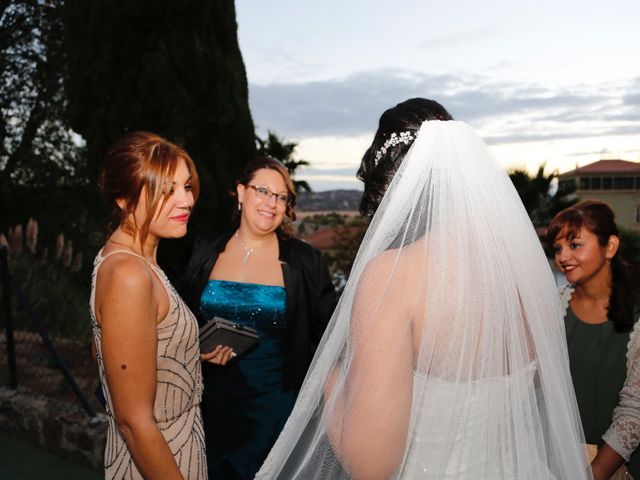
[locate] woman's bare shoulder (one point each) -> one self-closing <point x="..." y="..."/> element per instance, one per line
<point x="389" y="276"/>
<point x="124" y="272"/>
<point x="125" y="289"/>
<point x="402" y="264"/>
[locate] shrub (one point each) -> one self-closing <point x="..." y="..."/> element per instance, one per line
<point x="50" y="282"/>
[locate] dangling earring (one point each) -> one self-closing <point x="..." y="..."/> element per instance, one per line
<point x="239" y="206"/>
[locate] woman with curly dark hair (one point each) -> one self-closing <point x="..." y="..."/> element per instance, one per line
<point x="441" y="360"/>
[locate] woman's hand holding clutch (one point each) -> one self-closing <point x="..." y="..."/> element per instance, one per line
<point x="219" y="355"/>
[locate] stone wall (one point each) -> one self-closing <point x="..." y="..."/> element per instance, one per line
<point x="54" y="426"/>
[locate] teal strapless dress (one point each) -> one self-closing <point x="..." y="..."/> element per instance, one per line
<point x="244" y="404"/>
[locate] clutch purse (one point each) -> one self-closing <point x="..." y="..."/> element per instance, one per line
<point x="219" y="331"/>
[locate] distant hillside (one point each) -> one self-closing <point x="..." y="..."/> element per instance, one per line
<point x="336" y="200"/>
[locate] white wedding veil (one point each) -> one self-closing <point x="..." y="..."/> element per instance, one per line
<point x="446" y="355"/>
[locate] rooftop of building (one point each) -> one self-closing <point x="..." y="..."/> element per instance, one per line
<point x="331" y="237"/>
<point x="603" y="167"/>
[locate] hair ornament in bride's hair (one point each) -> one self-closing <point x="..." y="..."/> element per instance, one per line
<point x="392" y="141"/>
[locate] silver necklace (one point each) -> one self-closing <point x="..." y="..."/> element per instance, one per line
<point x="247" y="251"/>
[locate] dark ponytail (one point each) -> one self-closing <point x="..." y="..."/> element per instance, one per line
<point x="624" y="294"/>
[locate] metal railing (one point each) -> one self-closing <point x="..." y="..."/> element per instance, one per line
<point x="9" y="289"/>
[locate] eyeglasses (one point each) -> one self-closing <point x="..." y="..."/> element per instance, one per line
<point x="266" y="194"/>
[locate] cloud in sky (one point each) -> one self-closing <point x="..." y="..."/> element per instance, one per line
<point x="331" y="178"/>
<point x="542" y="81"/>
<point x="526" y="123"/>
<point x="508" y="112"/>
<point x="459" y="38"/>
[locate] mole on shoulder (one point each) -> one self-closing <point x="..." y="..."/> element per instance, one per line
<point x="123" y="367"/>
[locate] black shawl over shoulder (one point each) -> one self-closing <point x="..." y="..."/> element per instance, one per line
<point x="311" y="296"/>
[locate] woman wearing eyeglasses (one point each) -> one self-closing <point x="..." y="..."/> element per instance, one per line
<point x="259" y="276"/>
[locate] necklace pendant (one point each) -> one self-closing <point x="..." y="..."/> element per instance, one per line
<point x="245" y="259"/>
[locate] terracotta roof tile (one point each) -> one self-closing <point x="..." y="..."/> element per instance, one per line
<point x="327" y="238"/>
<point x="604" y="166"/>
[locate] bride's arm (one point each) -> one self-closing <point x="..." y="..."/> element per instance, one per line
<point x="371" y="401"/>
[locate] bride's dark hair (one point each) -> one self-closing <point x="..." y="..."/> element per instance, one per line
<point x="376" y="173"/>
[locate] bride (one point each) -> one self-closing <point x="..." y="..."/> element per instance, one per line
<point x="445" y="358"/>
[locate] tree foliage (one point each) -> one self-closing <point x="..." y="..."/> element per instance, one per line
<point x="538" y="196"/>
<point x="278" y="147"/>
<point x="76" y="75"/>
<point x="173" y="68"/>
<point x="37" y="151"/>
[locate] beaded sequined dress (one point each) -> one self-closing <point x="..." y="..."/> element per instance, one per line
<point x="178" y="390"/>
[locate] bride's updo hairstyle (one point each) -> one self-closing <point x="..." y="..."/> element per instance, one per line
<point x="396" y="132"/>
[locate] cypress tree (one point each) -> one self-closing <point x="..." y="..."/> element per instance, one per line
<point x="173" y="68"/>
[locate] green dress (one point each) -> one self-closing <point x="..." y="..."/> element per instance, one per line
<point x="598" y="364"/>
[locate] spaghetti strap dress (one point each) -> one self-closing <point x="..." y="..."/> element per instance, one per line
<point x="178" y="389"/>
